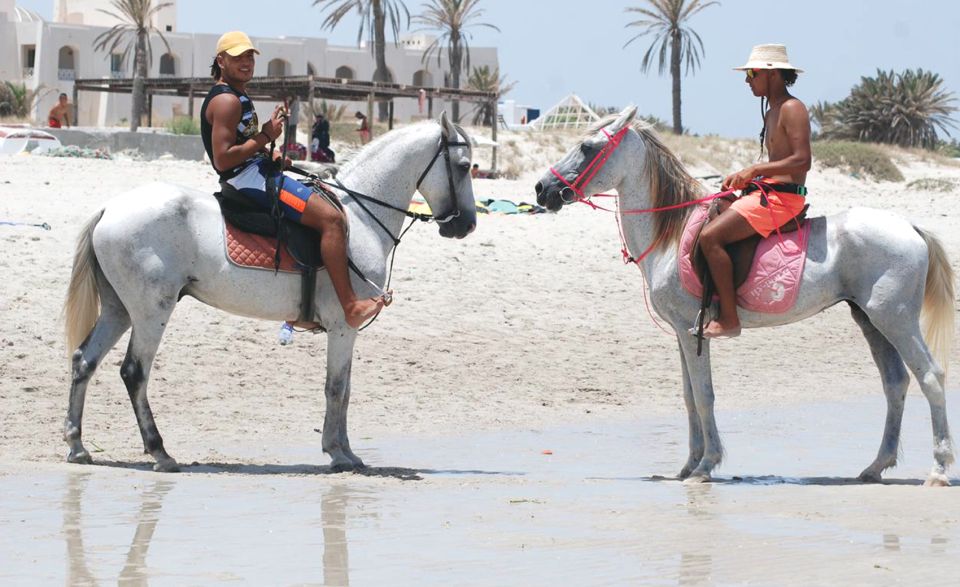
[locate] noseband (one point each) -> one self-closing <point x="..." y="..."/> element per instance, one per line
<point x="444" y="149"/>
<point x="589" y="169"/>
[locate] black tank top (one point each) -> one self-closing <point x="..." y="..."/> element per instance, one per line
<point x="246" y="129"/>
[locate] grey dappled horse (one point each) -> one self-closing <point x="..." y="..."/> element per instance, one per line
<point x="149" y="247"/>
<point x="886" y="269"/>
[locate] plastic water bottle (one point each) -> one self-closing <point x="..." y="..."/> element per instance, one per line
<point x="286" y="334"/>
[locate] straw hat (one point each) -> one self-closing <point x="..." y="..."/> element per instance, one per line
<point x="768" y="57"/>
<point x="235" y="43"/>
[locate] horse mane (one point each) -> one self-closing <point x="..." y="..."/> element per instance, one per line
<point x="669" y="182"/>
<point x="376" y="145"/>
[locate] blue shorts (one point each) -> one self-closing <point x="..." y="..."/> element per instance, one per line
<point x="252" y="182"/>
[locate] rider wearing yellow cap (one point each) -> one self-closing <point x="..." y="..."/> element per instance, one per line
<point x="237" y="150"/>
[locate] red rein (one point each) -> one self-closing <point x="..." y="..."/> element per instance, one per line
<point x="594" y="167"/>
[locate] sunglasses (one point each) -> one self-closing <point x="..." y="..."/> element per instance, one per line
<point x="752" y="73"/>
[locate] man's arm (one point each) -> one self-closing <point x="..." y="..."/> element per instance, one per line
<point x="224" y="113"/>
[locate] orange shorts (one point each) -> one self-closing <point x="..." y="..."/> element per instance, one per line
<point x="783" y="207"/>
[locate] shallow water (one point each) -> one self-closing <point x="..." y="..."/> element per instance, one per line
<point x="494" y="509"/>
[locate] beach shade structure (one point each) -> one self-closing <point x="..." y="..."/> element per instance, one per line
<point x="571" y="112"/>
<point x="14" y="140"/>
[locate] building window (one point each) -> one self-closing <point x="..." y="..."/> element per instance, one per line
<point x="277" y="68"/>
<point x="116" y="65"/>
<point x="168" y="65"/>
<point x="29" y="53"/>
<point x="66" y="64"/>
<point x="344" y="72"/>
<point x="311" y="70"/>
<point x="423" y="78"/>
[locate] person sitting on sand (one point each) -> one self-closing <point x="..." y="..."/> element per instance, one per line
<point x="60" y="113"/>
<point x="237" y="151"/>
<point x="786" y="129"/>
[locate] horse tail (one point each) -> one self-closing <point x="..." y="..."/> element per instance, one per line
<point x="82" y="307"/>
<point x="937" y="314"/>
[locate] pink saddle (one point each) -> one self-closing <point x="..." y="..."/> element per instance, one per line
<point x="773" y="281"/>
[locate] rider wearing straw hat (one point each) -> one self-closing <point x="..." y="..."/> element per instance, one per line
<point x="773" y="191"/>
<point x="238" y="153"/>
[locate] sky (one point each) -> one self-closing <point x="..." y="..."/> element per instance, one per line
<point x="554" y="47"/>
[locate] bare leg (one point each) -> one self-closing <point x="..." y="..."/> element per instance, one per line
<point x="331" y="222"/>
<point x="727" y="228"/>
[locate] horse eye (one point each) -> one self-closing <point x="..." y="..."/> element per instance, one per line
<point x="587" y="148"/>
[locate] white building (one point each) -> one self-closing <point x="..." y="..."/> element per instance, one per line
<point x="50" y="55"/>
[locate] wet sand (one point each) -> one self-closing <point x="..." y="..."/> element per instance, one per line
<point x="494" y="509"/>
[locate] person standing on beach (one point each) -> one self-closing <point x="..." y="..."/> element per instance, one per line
<point x="59" y="115"/>
<point x="320" y="141"/>
<point x="363" y="127"/>
<point x="238" y="153"/>
<point x="773" y="192"/>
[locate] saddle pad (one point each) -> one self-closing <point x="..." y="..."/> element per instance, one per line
<point x="774" y="279"/>
<point x="245" y="249"/>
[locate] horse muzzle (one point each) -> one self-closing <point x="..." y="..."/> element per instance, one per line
<point x="459" y="226"/>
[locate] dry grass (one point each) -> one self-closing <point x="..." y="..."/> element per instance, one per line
<point x="865" y="160"/>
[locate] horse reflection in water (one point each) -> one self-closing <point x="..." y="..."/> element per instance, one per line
<point x="334" y="503"/>
<point x="134" y="570"/>
<point x="890" y="272"/>
<point x="148" y="248"/>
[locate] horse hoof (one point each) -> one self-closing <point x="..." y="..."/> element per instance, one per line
<point x="80" y="458"/>
<point x="697" y="479"/>
<point x="347" y="467"/>
<point x="937" y="480"/>
<point x="167" y="466"/>
<point x="869" y="477"/>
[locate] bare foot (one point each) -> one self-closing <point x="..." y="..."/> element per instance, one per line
<point x="717" y="329"/>
<point x="360" y="311"/>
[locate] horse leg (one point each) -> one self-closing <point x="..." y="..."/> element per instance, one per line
<point x="693" y="422"/>
<point x="135" y="372"/>
<point x="344" y="440"/>
<point x="895" y="380"/>
<point x="910" y="344"/>
<point x="701" y="386"/>
<point x="111" y="325"/>
<point x="337" y="390"/>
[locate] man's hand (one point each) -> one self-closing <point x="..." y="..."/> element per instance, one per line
<point x="287" y="161"/>
<point x="273" y="128"/>
<point x="739" y="180"/>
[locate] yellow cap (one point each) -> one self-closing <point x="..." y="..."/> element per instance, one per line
<point x="235" y="43"/>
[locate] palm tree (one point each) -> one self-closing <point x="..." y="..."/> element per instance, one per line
<point x="903" y="109"/>
<point x="374" y="15"/>
<point x="486" y="80"/>
<point x="17" y="100"/>
<point x="133" y="32"/>
<point x="452" y="18"/>
<point x="667" y="21"/>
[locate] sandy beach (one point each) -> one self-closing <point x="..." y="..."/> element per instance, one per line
<point x="529" y="335"/>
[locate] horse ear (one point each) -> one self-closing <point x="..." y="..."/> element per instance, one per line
<point x="625" y="118"/>
<point x="446" y="127"/>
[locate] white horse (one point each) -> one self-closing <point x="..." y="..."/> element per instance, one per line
<point x="886" y="269"/>
<point x="155" y="244"/>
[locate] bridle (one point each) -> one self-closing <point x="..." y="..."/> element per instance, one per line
<point x="588" y="169"/>
<point x="444" y="149"/>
